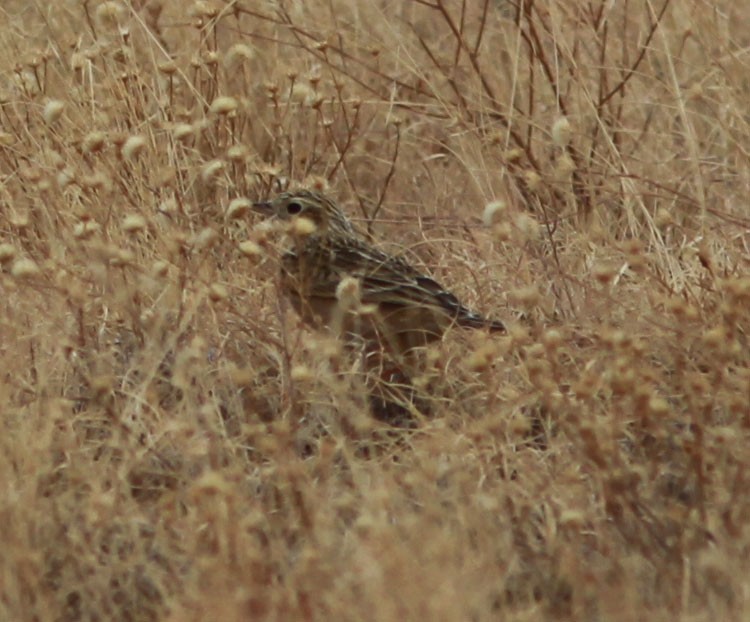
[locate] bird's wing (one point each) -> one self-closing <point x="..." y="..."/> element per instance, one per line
<point x="386" y="279"/>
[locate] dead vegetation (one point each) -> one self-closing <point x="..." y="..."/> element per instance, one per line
<point x="175" y="446"/>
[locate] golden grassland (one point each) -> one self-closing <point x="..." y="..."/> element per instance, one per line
<point x="174" y="445"/>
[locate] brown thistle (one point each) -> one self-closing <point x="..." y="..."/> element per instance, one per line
<point x="329" y="262"/>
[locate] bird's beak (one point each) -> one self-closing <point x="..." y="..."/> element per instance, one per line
<point x="263" y="207"/>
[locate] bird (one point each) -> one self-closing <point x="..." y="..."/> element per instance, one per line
<point x="335" y="278"/>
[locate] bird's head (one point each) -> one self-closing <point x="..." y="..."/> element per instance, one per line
<point x="313" y="206"/>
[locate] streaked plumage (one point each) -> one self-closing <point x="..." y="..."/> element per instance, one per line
<point x="407" y="309"/>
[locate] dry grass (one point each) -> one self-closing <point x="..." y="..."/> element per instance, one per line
<point x="174" y="446"/>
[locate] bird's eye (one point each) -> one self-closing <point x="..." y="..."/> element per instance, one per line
<point x="293" y="208"/>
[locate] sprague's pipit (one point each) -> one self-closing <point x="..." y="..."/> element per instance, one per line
<point x="329" y="264"/>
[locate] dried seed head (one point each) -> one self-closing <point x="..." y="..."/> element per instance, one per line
<point x="65" y="178"/>
<point x="167" y="206"/>
<point x="526" y="226"/>
<point x="738" y="288"/>
<point x="85" y="229"/>
<point x="663" y="218"/>
<point x="238" y="207"/>
<point x="168" y="67"/>
<point x="552" y="339"/>
<point x="160" y="268"/>
<point x="564" y="166"/>
<point x="93" y="142"/>
<point x="605" y="272"/>
<point x="134" y="223"/>
<point x="316" y="182"/>
<point x="493" y="211"/>
<point x="206" y="238"/>
<point x="223" y="105"/>
<point x="133" y="147"/>
<point x="513" y="155"/>
<point x="527" y="297"/>
<point x="533" y="180"/>
<point x="301" y="93"/>
<point x="658" y="406"/>
<point x="183" y="131"/>
<point x="238" y="54"/>
<point x="303" y="227"/>
<point x="349" y="293"/>
<point x="482" y="358"/>
<point x="7" y="252"/>
<point x="110" y="14"/>
<point x="716" y="337"/>
<point x="238" y="153"/>
<point x="561" y="132"/>
<point x="211" y="58"/>
<point x="53" y="110"/>
<point x="218" y="292"/>
<point x="301" y="373"/>
<point x="203" y="9"/>
<point x="503" y="231"/>
<point x="249" y="248"/>
<point x="212" y="170"/>
<point x="24" y="268"/>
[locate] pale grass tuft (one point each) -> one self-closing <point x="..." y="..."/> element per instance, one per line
<point x="53" y="110"/>
<point x="24" y="268"/>
<point x="133" y="147"/>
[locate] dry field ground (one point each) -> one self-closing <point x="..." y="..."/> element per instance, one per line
<point x="174" y="445"/>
